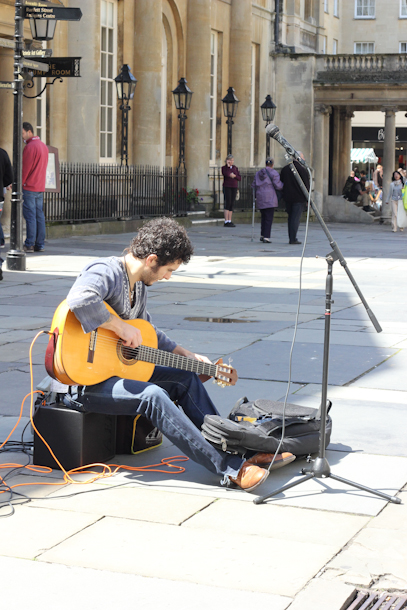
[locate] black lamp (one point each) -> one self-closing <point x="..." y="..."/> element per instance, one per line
<point x="230" y="103"/>
<point x="182" y="98"/>
<point x="182" y="95"/>
<point x="268" y="111"/>
<point x="42" y="29"/>
<point x="125" y="84"/>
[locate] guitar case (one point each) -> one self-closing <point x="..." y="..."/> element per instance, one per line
<point x="257" y="426"/>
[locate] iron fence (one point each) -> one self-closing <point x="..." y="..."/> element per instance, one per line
<point x="245" y="201"/>
<point x="93" y="192"/>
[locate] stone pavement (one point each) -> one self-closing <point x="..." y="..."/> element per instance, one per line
<point x="148" y="540"/>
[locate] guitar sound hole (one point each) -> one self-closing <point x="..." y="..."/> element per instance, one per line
<point x="126" y="355"/>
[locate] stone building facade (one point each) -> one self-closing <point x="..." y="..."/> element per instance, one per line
<point x="301" y="52"/>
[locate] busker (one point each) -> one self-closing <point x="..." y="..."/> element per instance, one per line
<point x="158" y="249"/>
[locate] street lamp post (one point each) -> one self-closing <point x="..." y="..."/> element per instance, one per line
<point x="41" y="29"/>
<point x="230" y="103"/>
<point x="182" y="98"/>
<point x="268" y="111"/>
<point x="126" y="85"/>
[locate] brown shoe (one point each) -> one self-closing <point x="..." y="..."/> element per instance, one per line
<point x="250" y="476"/>
<point x="264" y="459"/>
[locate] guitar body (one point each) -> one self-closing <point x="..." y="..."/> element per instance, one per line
<point x="87" y="359"/>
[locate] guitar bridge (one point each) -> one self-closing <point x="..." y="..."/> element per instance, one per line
<point x="92" y="346"/>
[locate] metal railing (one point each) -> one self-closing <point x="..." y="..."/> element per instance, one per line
<point x="93" y="192"/>
<point x="245" y="201"/>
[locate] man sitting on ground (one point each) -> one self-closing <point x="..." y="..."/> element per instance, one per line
<point x="158" y="249"/>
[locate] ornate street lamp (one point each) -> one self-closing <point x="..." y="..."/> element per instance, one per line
<point x="182" y="98"/>
<point x="230" y="103"/>
<point x="268" y="111"/>
<point x="16" y="258"/>
<point x="126" y="86"/>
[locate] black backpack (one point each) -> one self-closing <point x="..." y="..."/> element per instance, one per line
<point x="257" y="426"/>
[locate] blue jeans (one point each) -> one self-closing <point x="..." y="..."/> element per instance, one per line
<point x="34" y="219"/>
<point x="154" y="400"/>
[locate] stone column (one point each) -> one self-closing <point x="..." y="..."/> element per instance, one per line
<point x="320" y="154"/>
<point x="84" y="93"/>
<point x="240" y="61"/>
<point x="146" y="105"/>
<point x="336" y="184"/>
<point x="198" y="57"/>
<point x="58" y="96"/>
<point x="345" y="138"/>
<point x="389" y="155"/>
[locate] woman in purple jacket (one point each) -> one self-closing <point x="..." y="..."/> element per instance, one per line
<point x="230" y="185"/>
<point x="265" y="183"/>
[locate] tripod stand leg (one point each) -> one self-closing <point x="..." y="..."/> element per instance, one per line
<point x="261" y="499"/>
<point x="393" y="499"/>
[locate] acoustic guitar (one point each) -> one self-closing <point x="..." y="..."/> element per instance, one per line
<point x="77" y="358"/>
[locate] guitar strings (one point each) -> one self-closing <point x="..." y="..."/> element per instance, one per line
<point x="158" y="356"/>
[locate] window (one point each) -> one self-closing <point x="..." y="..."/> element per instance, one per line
<point x="326" y="2"/>
<point x="365" y="9"/>
<point x="403" y="47"/>
<point x="107" y="85"/>
<point x="361" y="48"/>
<point x="334" y="47"/>
<point x="336" y="8"/>
<point x="212" y="97"/>
<point x="323" y="45"/>
<point x="403" y="8"/>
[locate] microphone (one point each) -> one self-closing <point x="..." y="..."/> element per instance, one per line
<point x="274" y="132"/>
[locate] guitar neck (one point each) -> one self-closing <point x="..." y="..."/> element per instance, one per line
<point x="162" y="358"/>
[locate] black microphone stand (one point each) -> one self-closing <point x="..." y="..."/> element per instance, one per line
<point x="320" y="468"/>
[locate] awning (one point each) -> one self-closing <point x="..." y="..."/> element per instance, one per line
<point x="363" y="155"/>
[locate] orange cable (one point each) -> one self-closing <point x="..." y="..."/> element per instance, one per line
<point x="108" y="470"/>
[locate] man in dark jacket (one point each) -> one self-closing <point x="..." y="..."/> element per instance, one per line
<point x="294" y="197"/>
<point x="6" y="178"/>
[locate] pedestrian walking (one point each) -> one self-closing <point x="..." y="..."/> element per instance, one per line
<point x="231" y="177"/>
<point x="265" y="184"/>
<point x="6" y="178"/>
<point x="294" y="198"/>
<point x="395" y="197"/>
<point x="35" y="161"/>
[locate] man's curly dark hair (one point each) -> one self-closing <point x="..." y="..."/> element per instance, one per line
<point x="165" y="238"/>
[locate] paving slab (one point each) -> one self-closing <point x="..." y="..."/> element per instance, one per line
<point x="33" y="530"/>
<point x="340" y="337"/>
<point x="389" y="375"/>
<point x="324" y="595"/>
<point x="91" y="590"/>
<point x="279" y="522"/>
<point x="263" y="361"/>
<point x="206" y="557"/>
<point x="198" y="340"/>
<point x="127" y="502"/>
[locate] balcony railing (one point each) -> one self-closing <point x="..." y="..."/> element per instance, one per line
<point x="361" y="68"/>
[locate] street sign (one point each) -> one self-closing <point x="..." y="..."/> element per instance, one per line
<point x="66" y="67"/>
<point x="35" y="53"/>
<point x="35" y="65"/>
<point x="41" y="3"/>
<point x="45" y="11"/>
<point x="6" y="85"/>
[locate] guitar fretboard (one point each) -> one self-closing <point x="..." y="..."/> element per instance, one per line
<point x="162" y="358"/>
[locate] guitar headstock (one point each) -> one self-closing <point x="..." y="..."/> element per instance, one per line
<point x="225" y="374"/>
